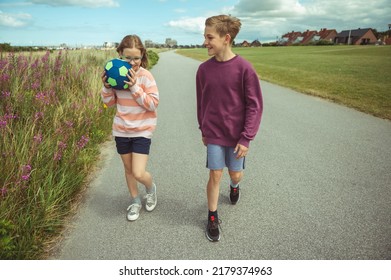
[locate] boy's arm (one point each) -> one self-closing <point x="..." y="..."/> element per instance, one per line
<point x="254" y="109"/>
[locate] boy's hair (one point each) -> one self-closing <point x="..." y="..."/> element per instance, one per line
<point x="134" y="41"/>
<point x="225" y="24"/>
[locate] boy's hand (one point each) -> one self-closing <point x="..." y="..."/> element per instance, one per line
<point x="204" y="141"/>
<point x="240" y="151"/>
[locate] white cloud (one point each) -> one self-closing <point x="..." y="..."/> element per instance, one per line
<point x="193" y="25"/>
<point x="14" y="20"/>
<point x="268" y="19"/>
<point x="81" y="3"/>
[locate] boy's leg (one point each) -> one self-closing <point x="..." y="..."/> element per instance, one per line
<point x="236" y="177"/>
<point x="235" y="169"/>
<point x="213" y="189"/>
<point x="216" y="164"/>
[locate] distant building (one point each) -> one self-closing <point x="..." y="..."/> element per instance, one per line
<point x="308" y="37"/>
<point x="356" y="37"/>
<point x="256" y="43"/>
<point x="171" y="42"/>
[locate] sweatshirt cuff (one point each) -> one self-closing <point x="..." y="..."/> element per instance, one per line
<point x="134" y="90"/>
<point x="245" y="142"/>
<point x="107" y="90"/>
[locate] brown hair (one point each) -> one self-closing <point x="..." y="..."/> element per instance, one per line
<point x="134" y="41"/>
<point x="225" y="24"/>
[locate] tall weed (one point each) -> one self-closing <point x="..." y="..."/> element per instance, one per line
<point x="52" y="121"/>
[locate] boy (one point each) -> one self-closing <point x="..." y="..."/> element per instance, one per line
<point x="229" y="110"/>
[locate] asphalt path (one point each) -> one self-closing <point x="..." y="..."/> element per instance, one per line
<point x="317" y="185"/>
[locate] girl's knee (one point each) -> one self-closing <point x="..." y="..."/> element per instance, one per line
<point x="138" y="174"/>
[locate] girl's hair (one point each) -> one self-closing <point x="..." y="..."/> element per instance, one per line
<point x="134" y="41"/>
<point x="225" y="24"/>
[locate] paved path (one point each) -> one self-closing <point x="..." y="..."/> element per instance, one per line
<point x="317" y="185"/>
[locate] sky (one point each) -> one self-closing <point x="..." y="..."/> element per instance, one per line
<point x="79" y="23"/>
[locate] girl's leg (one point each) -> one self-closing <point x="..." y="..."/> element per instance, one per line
<point x="139" y="164"/>
<point x="130" y="179"/>
<point x="213" y="189"/>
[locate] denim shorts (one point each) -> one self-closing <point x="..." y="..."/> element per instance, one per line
<point x="219" y="157"/>
<point x="138" y="145"/>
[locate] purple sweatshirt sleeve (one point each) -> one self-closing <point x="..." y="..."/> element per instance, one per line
<point x="254" y="108"/>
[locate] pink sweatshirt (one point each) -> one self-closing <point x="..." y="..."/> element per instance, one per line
<point x="136" y="109"/>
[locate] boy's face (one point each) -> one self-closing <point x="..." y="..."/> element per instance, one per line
<point x="213" y="42"/>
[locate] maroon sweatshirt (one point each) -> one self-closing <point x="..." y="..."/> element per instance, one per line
<point x="229" y="101"/>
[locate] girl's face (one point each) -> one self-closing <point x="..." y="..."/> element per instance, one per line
<point x="133" y="56"/>
<point x="215" y="44"/>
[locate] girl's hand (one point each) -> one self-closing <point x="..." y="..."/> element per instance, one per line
<point x="204" y="141"/>
<point x="132" y="78"/>
<point x="105" y="83"/>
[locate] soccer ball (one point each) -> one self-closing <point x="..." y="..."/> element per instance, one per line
<point x="116" y="70"/>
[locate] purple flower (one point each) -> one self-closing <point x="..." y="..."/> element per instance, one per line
<point x="26" y="177"/>
<point x="3" y="191"/>
<point x="57" y="156"/>
<point x="38" y="138"/>
<point x="82" y="142"/>
<point x="26" y="168"/>
<point x="38" y="115"/>
<point x="3" y="124"/>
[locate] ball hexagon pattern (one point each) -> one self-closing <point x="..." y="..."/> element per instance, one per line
<point x="116" y="70"/>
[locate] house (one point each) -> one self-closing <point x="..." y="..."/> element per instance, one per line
<point x="327" y="34"/>
<point x="290" y="38"/>
<point x="356" y="37"/>
<point x="308" y="36"/>
<point x="256" y="43"/>
<point x="245" y="44"/>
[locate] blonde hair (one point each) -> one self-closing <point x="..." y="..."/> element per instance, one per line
<point x="134" y="41"/>
<point x="225" y="24"/>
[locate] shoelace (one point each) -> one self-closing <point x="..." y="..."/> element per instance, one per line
<point x="133" y="208"/>
<point x="214" y="223"/>
<point x="149" y="197"/>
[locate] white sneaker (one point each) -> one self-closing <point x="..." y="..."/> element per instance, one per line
<point x="151" y="200"/>
<point x="133" y="211"/>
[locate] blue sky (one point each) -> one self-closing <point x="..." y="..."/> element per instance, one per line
<point x="93" y="22"/>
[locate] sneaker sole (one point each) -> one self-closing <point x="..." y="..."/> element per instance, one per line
<point x="211" y="239"/>
<point x="133" y="218"/>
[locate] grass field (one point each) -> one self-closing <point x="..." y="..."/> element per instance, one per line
<point x="52" y="122"/>
<point x="355" y="76"/>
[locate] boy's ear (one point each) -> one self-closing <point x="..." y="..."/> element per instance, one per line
<point x="228" y="38"/>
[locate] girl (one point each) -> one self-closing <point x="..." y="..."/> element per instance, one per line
<point x="135" y="121"/>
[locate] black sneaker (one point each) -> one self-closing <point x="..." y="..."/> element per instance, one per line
<point x="212" y="229"/>
<point x="234" y="195"/>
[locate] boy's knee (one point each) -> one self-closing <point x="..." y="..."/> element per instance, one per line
<point x="215" y="175"/>
<point x="236" y="176"/>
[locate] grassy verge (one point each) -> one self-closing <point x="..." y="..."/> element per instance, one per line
<point x="355" y="76"/>
<point x="52" y="122"/>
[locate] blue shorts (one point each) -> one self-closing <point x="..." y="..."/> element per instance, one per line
<point x="138" y="145"/>
<point x="219" y="157"/>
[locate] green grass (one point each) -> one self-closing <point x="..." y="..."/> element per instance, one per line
<point x="355" y="76"/>
<point x="52" y="122"/>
